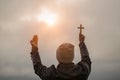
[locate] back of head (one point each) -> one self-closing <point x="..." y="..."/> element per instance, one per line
<point x="65" y="53"/>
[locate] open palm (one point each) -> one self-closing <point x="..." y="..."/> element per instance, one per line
<point x="34" y="41"/>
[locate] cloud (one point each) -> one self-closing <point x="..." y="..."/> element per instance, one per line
<point x="101" y="21"/>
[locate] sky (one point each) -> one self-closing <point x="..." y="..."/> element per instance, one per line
<point x="18" y="23"/>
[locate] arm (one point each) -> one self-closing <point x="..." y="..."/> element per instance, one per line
<point x="42" y="71"/>
<point x="85" y="59"/>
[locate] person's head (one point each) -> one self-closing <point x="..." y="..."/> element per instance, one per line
<point x="65" y="53"/>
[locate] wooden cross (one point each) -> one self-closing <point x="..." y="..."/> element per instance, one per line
<point x="81" y="27"/>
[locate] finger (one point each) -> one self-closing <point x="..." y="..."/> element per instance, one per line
<point x="81" y="35"/>
<point x="35" y="38"/>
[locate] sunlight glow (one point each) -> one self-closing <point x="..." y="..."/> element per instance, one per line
<point x="47" y="17"/>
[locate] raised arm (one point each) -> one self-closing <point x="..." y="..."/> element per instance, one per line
<point x="42" y="71"/>
<point x="83" y="49"/>
<point x="34" y="51"/>
<point x="85" y="59"/>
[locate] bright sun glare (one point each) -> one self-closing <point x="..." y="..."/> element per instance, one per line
<point x="47" y="17"/>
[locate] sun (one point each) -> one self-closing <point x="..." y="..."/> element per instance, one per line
<point x="47" y="17"/>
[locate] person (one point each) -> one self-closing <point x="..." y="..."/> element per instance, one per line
<point x="66" y="69"/>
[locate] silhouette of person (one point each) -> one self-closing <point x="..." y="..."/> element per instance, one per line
<point x="66" y="69"/>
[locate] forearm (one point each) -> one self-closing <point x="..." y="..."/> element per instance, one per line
<point x="42" y="71"/>
<point x="39" y="69"/>
<point x="36" y="59"/>
<point x="84" y="52"/>
<point x="85" y="59"/>
<point x="35" y="55"/>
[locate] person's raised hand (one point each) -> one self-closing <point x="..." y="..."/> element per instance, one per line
<point x="81" y="38"/>
<point x="34" y="41"/>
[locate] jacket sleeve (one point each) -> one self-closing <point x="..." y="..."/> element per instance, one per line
<point x="42" y="71"/>
<point x="85" y="62"/>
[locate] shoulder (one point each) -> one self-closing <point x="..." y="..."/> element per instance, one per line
<point x="84" y="67"/>
<point x="52" y="69"/>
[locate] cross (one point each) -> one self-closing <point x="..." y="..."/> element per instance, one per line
<point x="81" y="27"/>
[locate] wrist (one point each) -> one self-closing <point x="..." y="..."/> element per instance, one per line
<point x="34" y="49"/>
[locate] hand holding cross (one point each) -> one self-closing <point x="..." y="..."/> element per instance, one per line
<point x="81" y="27"/>
<point x="81" y="36"/>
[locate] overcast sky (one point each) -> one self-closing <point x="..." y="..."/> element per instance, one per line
<point x="101" y="19"/>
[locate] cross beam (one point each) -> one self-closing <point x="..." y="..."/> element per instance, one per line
<point x="81" y="27"/>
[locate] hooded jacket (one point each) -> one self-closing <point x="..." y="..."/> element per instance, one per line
<point x="64" y="71"/>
